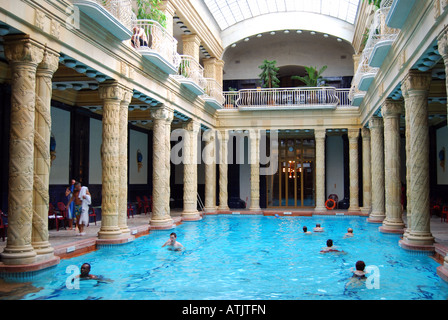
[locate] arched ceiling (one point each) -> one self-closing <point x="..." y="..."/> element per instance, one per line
<point x="239" y="19"/>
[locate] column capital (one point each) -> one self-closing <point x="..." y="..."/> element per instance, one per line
<point x="392" y="108"/>
<point x="21" y="48"/>
<point x="442" y="43"/>
<point x="353" y="133"/>
<point x="320" y="133"/>
<point x="192" y="125"/>
<point x="49" y="63"/>
<point x="415" y="81"/>
<point x="365" y="133"/>
<point x="113" y="90"/>
<point x="162" y="113"/>
<point x="376" y="122"/>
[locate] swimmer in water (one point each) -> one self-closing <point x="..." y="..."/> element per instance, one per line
<point x="318" y="228"/>
<point x="329" y="247"/>
<point x="305" y="230"/>
<point x="172" y="243"/>
<point x="358" y="276"/>
<point x="349" y="233"/>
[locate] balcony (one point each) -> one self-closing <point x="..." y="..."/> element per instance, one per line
<point x="113" y="15"/>
<point x="191" y="75"/>
<point x="399" y="12"/>
<point x="154" y="43"/>
<point x="213" y="94"/>
<point x="381" y="36"/>
<point x="301" y="98"/>
<point x="365" y="74"/>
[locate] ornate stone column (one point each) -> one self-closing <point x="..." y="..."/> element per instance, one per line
<point x="123" y="162"/>
<point x="377" y="214"/>
<point x="213" y="68"/>
<point x="223" y="168"/>
<point x="443" y="50"/>
<point x="391" y="111"/>
<point x="353" y="135"/>
<point x="415" y="87"/>
<point x="319" y="135"/>
<point x="366" y="171"/>
<point x="190" y="212"/>
<point x="168" y="122"/>
<point x="210" y="171"/>
<point x="42" y="160"/>
<point x="112" y="94"/>
<point x="191" y="43"/>
<point x="160" y="218"/>
<point x="23" y="55"/>
<point x="254" y="135"/>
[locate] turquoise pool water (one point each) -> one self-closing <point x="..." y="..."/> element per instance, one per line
<point x="250" y="258"/>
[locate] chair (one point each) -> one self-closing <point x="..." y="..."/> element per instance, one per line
<point x="130" y="210"/>
<point x="143" y="205"/>
<point x="52" y="215"/>
<point x="444" y="215"/>
<point x="3" y="224"/>
<point x="92" y="214"/>
<point x="147" y="204"/>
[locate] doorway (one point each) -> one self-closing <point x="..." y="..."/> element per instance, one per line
<point x="293" y="185"/>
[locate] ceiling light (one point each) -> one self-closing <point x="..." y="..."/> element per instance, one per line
<point x="313" y="33"/>
<point x="246" y="39"/>
<point x="259" y="35"/>
<point x="233" y="45"/>
<point x="286" y="31"/>
<point x="326" y="35"/>
<point x="299" y="31"/>
<point x="272" y="32"/>
<point x="339" y="40"/>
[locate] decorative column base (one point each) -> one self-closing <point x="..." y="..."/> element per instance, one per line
<point x="366" y="210"/>
<point x="161" y="224"/>
<point x="18" y="255"/>
<point x="320" y="209"/>
<point x="392" y="227"/>
<point x="376" y="217"/>
<point x="416" y="239"/>
<point x="191" y="216"/>
<point x="417" y="247"/>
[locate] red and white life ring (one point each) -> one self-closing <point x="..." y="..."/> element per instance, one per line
<point x="330" y="204"/>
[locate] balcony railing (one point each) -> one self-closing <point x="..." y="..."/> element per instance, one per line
<point x="365" y="73"/>
<point x="191" y="75"/>
<point x="287" y="98"/>
<point x="155" y="43"/>
<point x="213" y="94"/>
<point x="381" y="36"/>
<point x="114" y="15"/>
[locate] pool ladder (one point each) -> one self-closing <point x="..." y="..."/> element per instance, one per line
<point x="201" y="205"/>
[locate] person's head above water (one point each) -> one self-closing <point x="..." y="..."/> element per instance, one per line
<point x="329" y="243"/>
<point x="85" y="270"/>
<point x="305" y="229"/>
<point x="360" y="265"/>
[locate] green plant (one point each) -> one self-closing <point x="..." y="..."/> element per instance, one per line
<point x="376" y="3"/>
<point x="269" y="74"/>
<point x="149" y="10"/>
<point x="313" y="78"/>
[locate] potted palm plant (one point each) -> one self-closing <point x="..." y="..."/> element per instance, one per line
<point x="268" y="76"/>
<point x="312" y="79"/>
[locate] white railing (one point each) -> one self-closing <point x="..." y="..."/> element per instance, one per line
<point x="364" y="68"/>
<point x="150" y="36"/>
<point x="120" y="9"/>
<point x="190" y="69"/>
<point x="230" y="98"/>
<point x="214" y="90"/>
<point x="379" y="30"/>
<point x="287" y="97"/>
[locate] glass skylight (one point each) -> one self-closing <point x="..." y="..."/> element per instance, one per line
<point x="229" y="12"/>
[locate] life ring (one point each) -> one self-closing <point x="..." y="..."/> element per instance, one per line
<point x="328" y="206"/>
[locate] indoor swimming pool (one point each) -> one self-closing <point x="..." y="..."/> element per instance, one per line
<point x="249" y="258"/>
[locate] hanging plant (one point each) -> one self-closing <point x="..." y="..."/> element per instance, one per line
<point x="376" y="3"/>
<point x="149" y="10"/>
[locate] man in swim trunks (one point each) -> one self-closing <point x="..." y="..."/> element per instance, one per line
<point x="172" y="243"/>
<point x="78" y="206"/>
